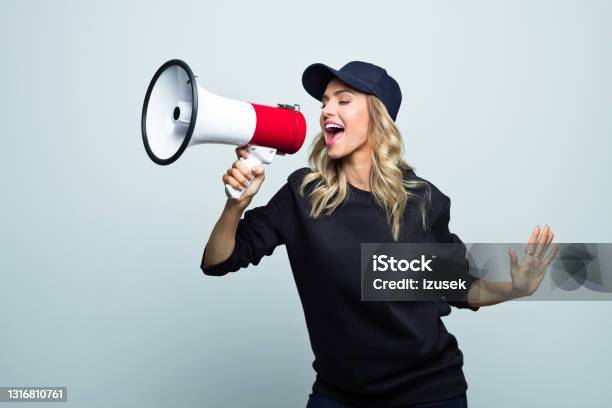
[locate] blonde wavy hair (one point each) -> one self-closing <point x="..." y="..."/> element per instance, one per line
<point x="390" y="190"/>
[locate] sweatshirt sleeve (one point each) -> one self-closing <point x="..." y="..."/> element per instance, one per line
<point x="258" y="233"/>
<point x="442" y="234"/>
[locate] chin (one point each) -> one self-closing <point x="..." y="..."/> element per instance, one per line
<point x="334" y="155"/>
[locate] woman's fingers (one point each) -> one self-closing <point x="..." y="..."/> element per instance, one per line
<point x="259" y="176"/>
<point x="256" y="183"/>
<point x="541" y="243"/>
<point x="533" y="239"/>
<point x="259" y="172"/>
<point x="242" y="151"/>
<point x="244" y="170"/>
<point x="241" y="173"/>
<point x="547" y="243"/>
<point x="551" y="256"/>
<point x="227" y="179"/>
<point x="239" y="176"/>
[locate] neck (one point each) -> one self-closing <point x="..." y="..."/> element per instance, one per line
<point x="357" y="168"/>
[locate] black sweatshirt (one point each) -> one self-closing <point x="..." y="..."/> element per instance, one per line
<point x="368" y="354"/>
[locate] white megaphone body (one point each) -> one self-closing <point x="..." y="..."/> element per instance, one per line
<point x="178" y="113"/>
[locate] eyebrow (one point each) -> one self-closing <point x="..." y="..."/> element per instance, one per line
<point x="335" y="93"/>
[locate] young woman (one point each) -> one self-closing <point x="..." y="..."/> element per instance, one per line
<point x="358" y="189"/>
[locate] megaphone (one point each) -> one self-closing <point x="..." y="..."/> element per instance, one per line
<point x="178" y="113"/>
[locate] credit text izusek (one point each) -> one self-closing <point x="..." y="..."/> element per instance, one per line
<point x="381" y="263"/>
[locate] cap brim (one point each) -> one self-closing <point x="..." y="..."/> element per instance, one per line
<point x="316" y="77"/>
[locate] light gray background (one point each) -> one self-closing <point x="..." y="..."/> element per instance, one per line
<point x="506" y="109"/>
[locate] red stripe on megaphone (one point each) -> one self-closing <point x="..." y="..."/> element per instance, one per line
<point x="280" y="128"/>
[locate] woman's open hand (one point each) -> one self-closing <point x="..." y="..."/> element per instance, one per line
<point x="528" y="274"/>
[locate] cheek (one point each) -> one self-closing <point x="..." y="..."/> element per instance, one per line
<point x="360" y="123"/>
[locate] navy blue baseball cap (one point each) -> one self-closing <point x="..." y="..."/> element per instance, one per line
<point x="363" y="76"/>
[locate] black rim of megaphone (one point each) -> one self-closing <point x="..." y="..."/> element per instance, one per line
<point x="194" y="112"/>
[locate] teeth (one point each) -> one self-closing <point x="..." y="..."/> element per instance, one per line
<point x="333" y="125"/>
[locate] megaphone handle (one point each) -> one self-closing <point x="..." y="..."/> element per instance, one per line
<point x="258" y="155"/>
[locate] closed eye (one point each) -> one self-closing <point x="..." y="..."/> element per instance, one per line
<point x="341" y="103"/>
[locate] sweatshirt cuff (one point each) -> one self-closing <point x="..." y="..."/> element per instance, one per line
<point x="218" y="269"/>
<point x="462" y="303"/>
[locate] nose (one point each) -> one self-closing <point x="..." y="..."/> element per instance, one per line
<point x="328" y="110"/>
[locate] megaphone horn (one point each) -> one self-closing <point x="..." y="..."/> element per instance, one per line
<point x="178" y="113"/>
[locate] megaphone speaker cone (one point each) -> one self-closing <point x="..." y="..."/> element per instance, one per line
<point x="169" y="112"/>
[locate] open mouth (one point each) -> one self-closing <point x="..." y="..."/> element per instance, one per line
<point x="333" y="132"/>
